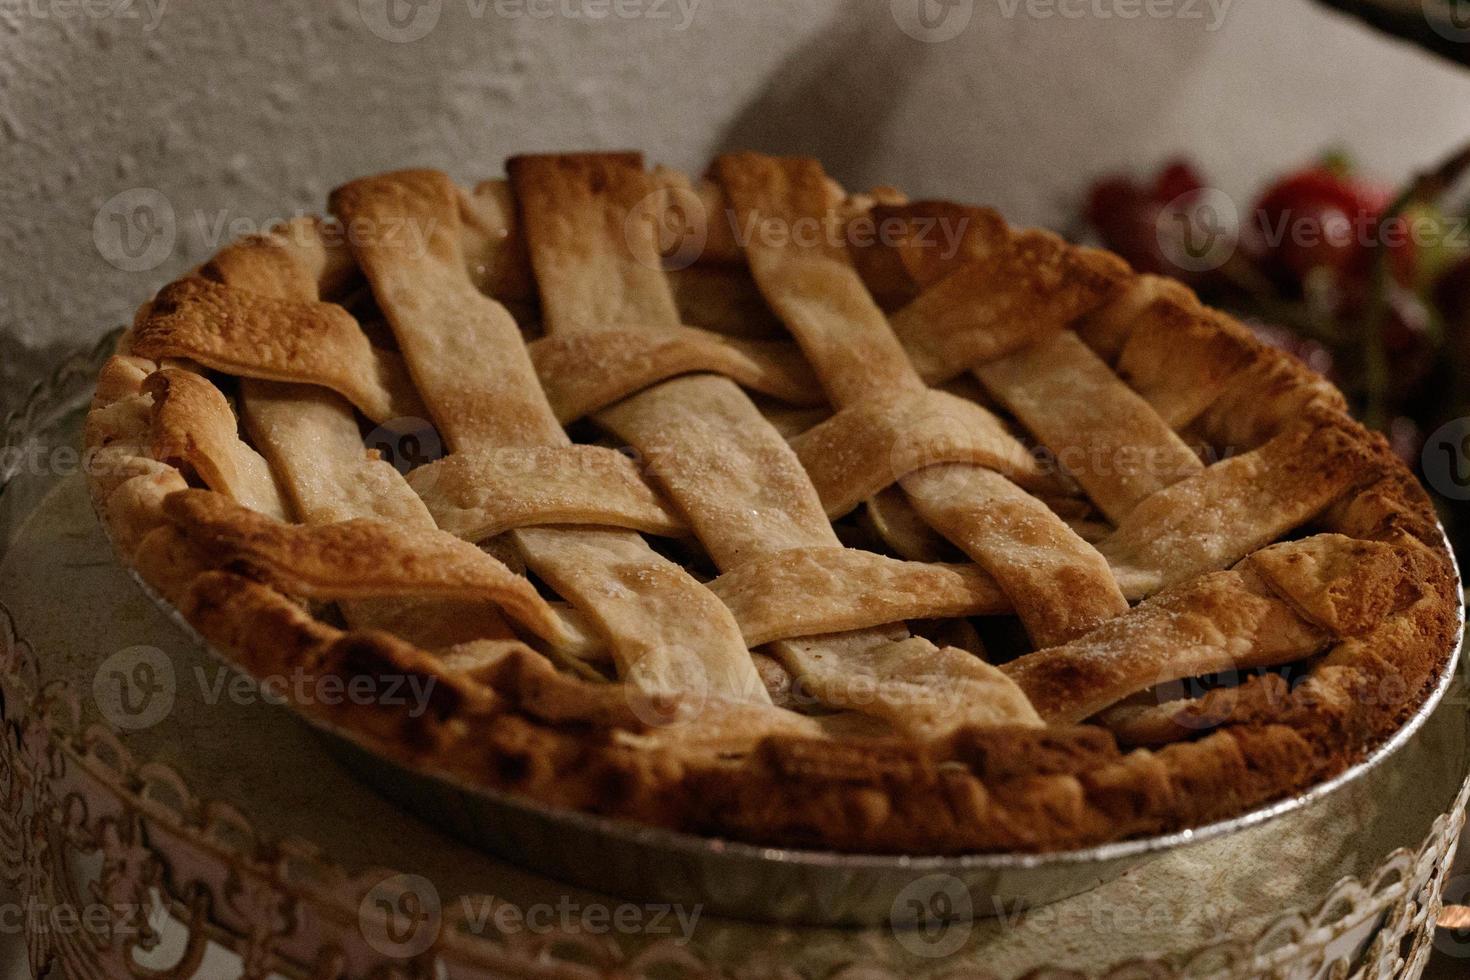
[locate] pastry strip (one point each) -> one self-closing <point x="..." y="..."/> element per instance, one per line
<point x="739" y="485"/>
<point x="310" y="438"/>
<point x="985" y="514"/>
<point x="803" y="592"/>
<point x="818" y="294"/>
<point x="1283" y="603"/>
<point x="992" y="293"/>
<point x="1104" y="434"/>
<point x="1175" y="519"/>
<point x="585" y="371"/>
<point x="1228" y="510"/>
<point x="1107" y="328"/>
<point x="481" y="494"/>
<point x="1000" y="305"/>
<point x="1181" y="357"/>
<point x="662" y="625"/>
<point x="844" y="455"/>
<point x="1219" y="622"/>
<point x="362" y="558"/>
<point x="931" y="692"/>
<point x="891" y="516"/>
<point x="302" y="259"/>
<point x="261" y="336"/>
<point x="194" y="426"/>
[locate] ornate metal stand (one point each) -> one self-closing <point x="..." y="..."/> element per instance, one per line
<point x="124" y="870"/>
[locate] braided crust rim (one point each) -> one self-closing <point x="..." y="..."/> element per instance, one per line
<point x="523" y="727"/>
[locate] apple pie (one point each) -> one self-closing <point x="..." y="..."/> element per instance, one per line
<point x="755" y="508"/>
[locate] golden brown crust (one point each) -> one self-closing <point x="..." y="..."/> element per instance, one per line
<point x="479" y="495"/>
<point x="808" y="591"/>
<point x="1372" y="598"/>
<point x="355" y="559"/>
<point x="891" y="438"/>
<point x="252" y="335"/>
<point x="195" y="429"/>
<point x="587" y="371"/>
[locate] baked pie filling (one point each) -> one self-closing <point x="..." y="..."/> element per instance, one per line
<point x="749" y="507"/>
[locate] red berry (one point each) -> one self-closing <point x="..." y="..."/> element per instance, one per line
<point x="1132" y="218"/>
<point x="1178" y="178"/>
<point x="1125" y="218"/>
<point x="1112" y="199"/>
<point x="1313" y="218"/>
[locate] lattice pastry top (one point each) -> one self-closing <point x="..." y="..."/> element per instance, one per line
<point x="752" y="508"/>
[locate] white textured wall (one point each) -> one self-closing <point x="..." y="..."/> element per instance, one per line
<point x="245" y="111"/>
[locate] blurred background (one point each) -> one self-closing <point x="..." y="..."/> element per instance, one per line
<point x="1265" y="150"/>
<point x="140" y="135"/>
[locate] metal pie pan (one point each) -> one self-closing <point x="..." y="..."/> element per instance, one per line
<point x="774" y="884"/>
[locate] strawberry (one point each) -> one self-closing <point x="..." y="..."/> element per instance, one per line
<point x="1317" y="217"/>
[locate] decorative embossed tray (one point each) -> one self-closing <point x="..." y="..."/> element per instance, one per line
<point x="160" y="818"/>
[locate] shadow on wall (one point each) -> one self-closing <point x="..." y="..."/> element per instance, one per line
<point x="830" y="97"/>
<point x="1015" y="108"/>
